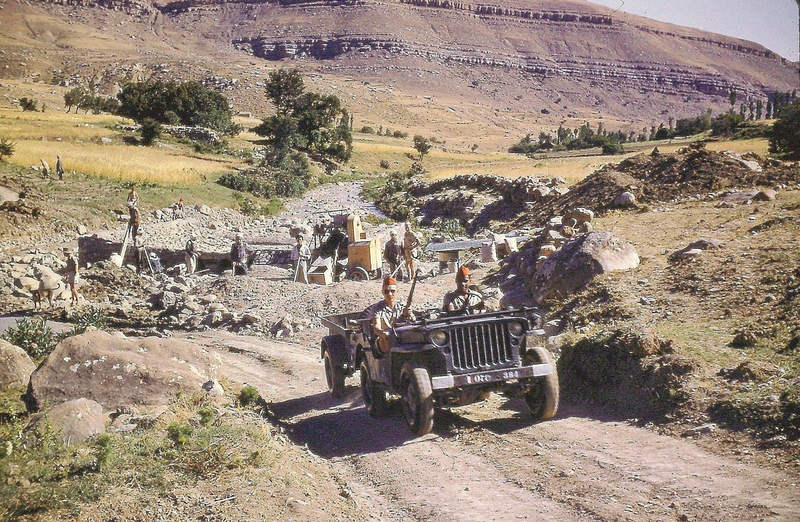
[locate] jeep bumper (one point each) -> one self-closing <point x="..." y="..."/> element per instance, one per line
<point x="471" y="379"/>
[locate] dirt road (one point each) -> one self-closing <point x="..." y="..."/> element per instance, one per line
<point x="488" y="461"/>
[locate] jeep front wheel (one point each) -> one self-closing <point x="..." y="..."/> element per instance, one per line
<point x="417" y="398"/>
<point x="333" y="376"/>
<point x="542" y="398"/>
<point x="373" y="393"/>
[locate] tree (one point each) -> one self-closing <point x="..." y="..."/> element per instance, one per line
<point x="283" y="88"/>
<point x="422" y="145"/>
<point x="732" y="99"/>
<point x="759" y="108"/>
<point x="769" y="109"/>
<point x="786" y="132"/>
<point x="74" y="97"/>
<point x="305" y="121"/>
<point x="190" y="102"/>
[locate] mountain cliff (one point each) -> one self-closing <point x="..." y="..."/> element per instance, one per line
<point x="441" y="65"/>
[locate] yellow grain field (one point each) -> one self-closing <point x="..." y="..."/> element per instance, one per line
<point x="92" y="145"/>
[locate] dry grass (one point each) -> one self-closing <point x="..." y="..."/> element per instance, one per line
<point x="77" y="138"/>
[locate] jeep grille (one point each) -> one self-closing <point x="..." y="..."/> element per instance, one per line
<point x="480" y="346"/>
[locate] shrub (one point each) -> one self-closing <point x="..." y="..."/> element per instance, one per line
<point x="150" y="130"/>
<point x="6" y="148"/>
<point x="385" y="164"/>
<point x="249" y="395"/>
<point x="786" y="131"/>
<point x="92" y="316"/>
<point x="206" y="415"/>
<point x="179" y="433"/>
<point x="612" y="148"/>
<point x="28" y="105"/>
<point x="32" y="335"/>
<point x="367" y="130"/>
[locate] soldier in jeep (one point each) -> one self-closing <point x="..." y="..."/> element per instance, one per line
<point x="463" y="299"/>
<point x="385" y="314"/>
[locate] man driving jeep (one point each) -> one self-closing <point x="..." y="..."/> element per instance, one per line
<point x="463" y="299"/>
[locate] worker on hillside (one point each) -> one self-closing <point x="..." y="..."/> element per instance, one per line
<point x="190" y="254"/>
<point x="133" y="197"/>
<point x="410" y="243"/>
<point x="463" y="299"/>
<point x="59" y="167"/>
<point x="392" y="253"/>
<point x="239" y="255"/>
<point x="134" y="220"/>
<point x="301" y="255"/>
<point x="71" y="274"/>
<point x="142" y="260"/>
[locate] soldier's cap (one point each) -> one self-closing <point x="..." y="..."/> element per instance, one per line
<point x="192" y="236"/>
<point x="388" y="281"/>
<point x="239" y="235"/>
<point x="463" y="273"/>
<point x="393" y="233"/>
<point x="300" y="236"/>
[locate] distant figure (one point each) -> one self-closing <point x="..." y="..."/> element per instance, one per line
<point x="190" y="255"/>
<point x="134" y="221"/>
<point x="410" y="243"/>
<point x="45" y="167"/>
<point x="300" y="258"/>
<point x="59" y="167"/>
<point x="133" y="197"/>
<point x="393" y="253"/>
<point x="177" y="210"/>
<point x="71" y="273"/>
<point x="463" y="299"/>
<point x="239" y="255"/>
<point x="142" y="260"/>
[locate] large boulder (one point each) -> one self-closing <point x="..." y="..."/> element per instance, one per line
<point x="15" y="366"/>
<point x="576" y="263"/>
<point x="74" y="421"/>
<point x="118" y="372"/>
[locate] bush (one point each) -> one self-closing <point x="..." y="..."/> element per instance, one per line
<point x="6" y="148"/>
<point x="28" y="105"/>
<point x="92" y="316"/>
<point x="612" y="148"/>
<point x="367" y="130"/>
<point x="150" y="130"/>
<point x="385" y="164"/>
<point x="249" y="395"/>
<point x="786" y="131"/>
<point x="32" y="335"/>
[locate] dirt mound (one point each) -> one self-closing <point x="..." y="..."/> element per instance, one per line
<point x="629" y="371"/>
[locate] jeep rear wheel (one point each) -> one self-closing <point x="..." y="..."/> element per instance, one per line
<point x="373" y="393"/>
<point x="333" y="376"/>
<point x="417" y="398"/>
<point x="542" y="398"/>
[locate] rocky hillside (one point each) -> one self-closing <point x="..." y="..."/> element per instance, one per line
<point x="445" y="66"/>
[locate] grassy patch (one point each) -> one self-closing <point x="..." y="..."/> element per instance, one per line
<point x="193" y="439"/>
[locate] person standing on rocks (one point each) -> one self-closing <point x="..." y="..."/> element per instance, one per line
<point x="239" y="255"/>
<point x="134" y="221"/>
<point x="410" y="243"/>
<point x="190" y="255"/>
<point x="133" y="197"/>
<point x="392" y="253"/>
<point x="463" y="299"/>
<point x="301" y="255"/>
<point x="141" y="253"/>
<point x="59" y="167"/>
<point x="72" y="275"/>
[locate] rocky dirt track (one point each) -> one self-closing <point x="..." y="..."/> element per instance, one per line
<point x="487" y="461"/>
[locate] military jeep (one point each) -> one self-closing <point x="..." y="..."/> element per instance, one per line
<point x="442" y="360"/>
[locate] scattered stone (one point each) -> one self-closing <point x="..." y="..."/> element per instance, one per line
<point x="15" y="366"/>
<point x="75" y="421"/>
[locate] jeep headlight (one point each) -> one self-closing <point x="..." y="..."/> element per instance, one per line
<point x="516" y="329"/>
<point x="438" y="337"/>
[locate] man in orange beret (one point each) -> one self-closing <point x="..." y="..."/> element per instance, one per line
<point x="463" y="299"/>
<point x="385" y="314"/>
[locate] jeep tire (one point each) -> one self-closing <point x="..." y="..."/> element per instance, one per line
<point x="334" y="376"/>
<point x="373" y="393"/>
<point x="542" y="398"/>
<point x="416" y="395"/>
